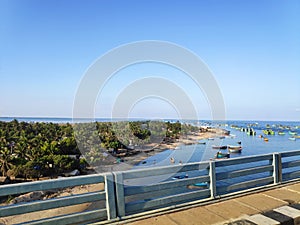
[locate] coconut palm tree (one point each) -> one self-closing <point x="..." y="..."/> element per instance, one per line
<point x="5" y="159"/>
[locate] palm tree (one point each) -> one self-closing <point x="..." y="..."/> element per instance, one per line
<point x="5" y="160"/>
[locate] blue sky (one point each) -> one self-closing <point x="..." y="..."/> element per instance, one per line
<point x="251" y="47"/>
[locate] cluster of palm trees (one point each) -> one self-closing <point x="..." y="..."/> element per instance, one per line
<point x="34" y="149"/>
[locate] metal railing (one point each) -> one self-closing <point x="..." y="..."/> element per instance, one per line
<point x="106" y="213"/>
<point x="135" y="192"/>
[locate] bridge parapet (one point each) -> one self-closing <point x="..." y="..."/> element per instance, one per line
<point x="143" y="191"/>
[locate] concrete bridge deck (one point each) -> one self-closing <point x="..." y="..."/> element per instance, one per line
<point x="275" y="206"/>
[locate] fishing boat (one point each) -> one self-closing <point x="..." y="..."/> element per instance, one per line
<point x="251" y="132"/>
<point x="292" y="138"/>
<point x="297" y="136"/>
<point x="281" y="133"/>
<point x="201" y="185"/>
<point x="180" y="177"/>
<point x="234" y="149"/>
<point x="268" y="132"/>
<point x="221" y="155"/>
<point x="172" y="160"/>
<point x="219" y="146"/>
<point x="292" y="133"/>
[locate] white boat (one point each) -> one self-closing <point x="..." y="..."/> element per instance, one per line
<point x="234" y="149"/>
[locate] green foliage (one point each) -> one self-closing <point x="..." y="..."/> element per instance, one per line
<point x="28" y="149"/>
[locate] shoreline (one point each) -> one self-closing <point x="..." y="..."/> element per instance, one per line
<point x="128" y="162"/>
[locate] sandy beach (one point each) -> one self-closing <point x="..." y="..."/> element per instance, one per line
<point x="153" y="149"/>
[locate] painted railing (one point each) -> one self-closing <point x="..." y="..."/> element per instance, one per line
<point x="145" y="190"/>
<point x="106" y="213"/>
<point x="136" y="192"/>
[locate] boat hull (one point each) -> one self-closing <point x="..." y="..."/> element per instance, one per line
<point x="219" y="147"/>
<point x="235" y="149"/>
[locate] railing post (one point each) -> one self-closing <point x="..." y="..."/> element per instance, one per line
<point x="119" y="183"/>
<point x="277" y="168"/>
<point x="110" y="197"/>
<point x="212" y="176"/>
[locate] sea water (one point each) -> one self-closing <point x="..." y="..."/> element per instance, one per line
<point x="252" y="145"/>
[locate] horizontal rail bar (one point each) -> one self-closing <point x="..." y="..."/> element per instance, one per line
<point x="165" y="185"/>
<point x="50" y="203"/>
<point x="248" y="159"/>
<point x="290" y="164"/>
<point x="141" y="173"/>
<point x="290" y="153"/>
<point x="133" y="207"/>
<point x="291" y="175"/>
<point x="75" y="218"/>
<point x="244" y="172"/>
<point x="12" y="189"/>
<point x="246" y="184"/>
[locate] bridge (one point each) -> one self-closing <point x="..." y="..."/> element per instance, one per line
<point x="164" y="192"/>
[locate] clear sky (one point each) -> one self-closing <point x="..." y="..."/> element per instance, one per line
<point x="252" y="48"/>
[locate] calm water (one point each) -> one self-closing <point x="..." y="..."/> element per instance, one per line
<point x="252" y="145"/>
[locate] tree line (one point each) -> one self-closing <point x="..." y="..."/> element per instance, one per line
<point x="35" y="149"/>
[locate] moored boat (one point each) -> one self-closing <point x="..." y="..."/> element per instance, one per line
<point x="201" y="185"/>
<point x="234" y="149"/>
<point x="221" y="155"/>
<point x="268" y="132"/>
<point x="251" y="133"/>
<point x="281" y="133"/>
<point x="180" y="177"/>
<point x="219" y="146"/>
<point x="292" y="139"/>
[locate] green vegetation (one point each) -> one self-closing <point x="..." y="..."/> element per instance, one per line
<point x="32" y="150"/>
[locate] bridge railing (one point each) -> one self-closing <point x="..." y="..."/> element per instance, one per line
<point x="148" y="189"/>
<point x="290" y="165"/>
<point x="135" y="192"/>
<point x="244" y="173"/>
<point x="107" y="195"/>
